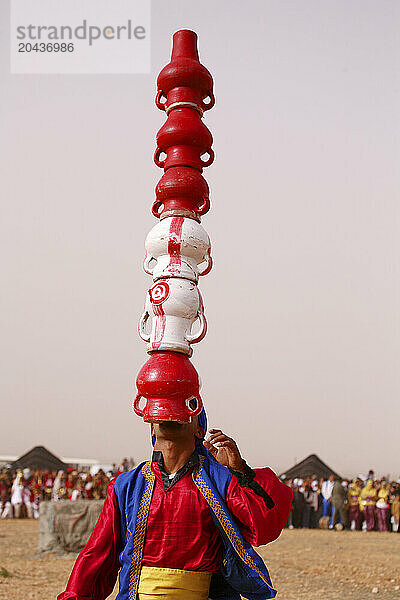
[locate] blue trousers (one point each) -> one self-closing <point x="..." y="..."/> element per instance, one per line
<point x="327" y="510"/>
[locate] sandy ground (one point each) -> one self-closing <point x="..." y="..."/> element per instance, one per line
<point x="304" y="564"/>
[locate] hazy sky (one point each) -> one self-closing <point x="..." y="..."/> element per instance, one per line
<point x="302" y="353"/>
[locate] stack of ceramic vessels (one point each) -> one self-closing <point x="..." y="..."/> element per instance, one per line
<point x="178" y="249"/>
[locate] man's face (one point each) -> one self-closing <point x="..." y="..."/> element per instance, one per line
<point x="174" y="431"/>
<point x="331" y="478"/>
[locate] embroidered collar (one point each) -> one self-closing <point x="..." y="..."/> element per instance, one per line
<point x="167" y="481"/>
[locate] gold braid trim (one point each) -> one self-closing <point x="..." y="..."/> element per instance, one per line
<point x="128" y="531"/>
<point x="219" y="512"/>
<point x="140" y="531"/>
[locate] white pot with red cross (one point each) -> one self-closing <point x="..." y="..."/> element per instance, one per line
<point x="177" y="247"/>
<point x="172" y="307"/>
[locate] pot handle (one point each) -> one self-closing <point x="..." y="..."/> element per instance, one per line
<point x="193" y="339"/>
<point x="208" y="259"/>
<point x="199" y="407"/>
<point x="207" y="106"/>
<point x="142" y="325"/>
<point x="136" y="408"/>
<point x="146" y="264"/>
<point x="160" y="163"/>
<point x="156" y="208"/>
<point x="205" y="163"/>
<point x="161" y="105"/>
<point x="205" y="207"/>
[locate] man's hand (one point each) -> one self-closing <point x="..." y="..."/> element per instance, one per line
<point x="224" y="450"/>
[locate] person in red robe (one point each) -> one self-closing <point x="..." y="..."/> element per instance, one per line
<point x="181" y="539"/>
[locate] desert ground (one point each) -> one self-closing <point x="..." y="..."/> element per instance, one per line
<point x="309" y="564"/>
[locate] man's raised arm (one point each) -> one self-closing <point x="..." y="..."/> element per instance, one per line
<point x="257" y="498"/>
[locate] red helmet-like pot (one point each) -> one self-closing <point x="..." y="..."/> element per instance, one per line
<point x="184" y="139"/>
<point x="168" y="381"/>
<point x="181" y="191"/>
<point x="184" y="79"/>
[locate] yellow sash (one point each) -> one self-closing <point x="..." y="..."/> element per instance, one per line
<point x="157" y="583"/>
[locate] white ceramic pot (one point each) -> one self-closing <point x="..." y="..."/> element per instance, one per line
<point x="177" y="247"/>
<point x="173" y="305"/>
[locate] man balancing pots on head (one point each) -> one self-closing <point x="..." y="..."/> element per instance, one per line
<point x="182" y="526"/>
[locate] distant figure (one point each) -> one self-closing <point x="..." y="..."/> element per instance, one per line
<point x="59" y="491"/>
<point x="353" y="498"/>
<point x="339" y="504"/>
<point x="310" y="506"/>
<point x="298" y="507"/>
<point x="36" y="497"/>
<point x="289" y="523"/>
<point x="48" y="485"/>
<point x="6" y="511"/>
<point x="123" y="467"/>
<point x="21" y="497"/>
<point x="395" y="509"/>
<point x="368" y="501"/>
<point x="382" y="506"/>
<point x="326" y="491"/>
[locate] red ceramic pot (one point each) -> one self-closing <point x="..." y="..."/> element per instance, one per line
<point x="181" y="191"/>
<point x="168" y="381"/>
<point x="185" y="79"/>
<point x="184" y="139"/>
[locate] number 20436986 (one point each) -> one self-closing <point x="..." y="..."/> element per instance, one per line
<point x="42" y="47"/>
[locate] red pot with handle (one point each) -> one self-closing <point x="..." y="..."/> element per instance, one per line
<point x="185" y="140"/>
<point x="185" y="79"/>
<point x="167" y="382"/>
<point x="181" y="191"/>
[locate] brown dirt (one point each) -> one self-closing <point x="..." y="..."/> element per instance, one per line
<point x="331" y="565"/>
<point x="313" y="565"/>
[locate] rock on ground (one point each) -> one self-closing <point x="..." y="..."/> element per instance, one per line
<point x="66" y="526"/>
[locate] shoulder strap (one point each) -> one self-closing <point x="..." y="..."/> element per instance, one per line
<point x="225" y="522"/>
<point x="140" y="531"/>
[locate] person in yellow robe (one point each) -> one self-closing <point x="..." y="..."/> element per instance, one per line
<point x="395" y="508"/>
<point x="368" y="499"/>
<point x="382" y="506"/>
<point x="353" y="498"/>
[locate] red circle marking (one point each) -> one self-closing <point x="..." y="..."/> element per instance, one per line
<point x="159" y="292"/>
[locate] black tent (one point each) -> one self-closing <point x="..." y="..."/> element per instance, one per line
<point x="39" y="458"/>
<point x="312" y="465"/>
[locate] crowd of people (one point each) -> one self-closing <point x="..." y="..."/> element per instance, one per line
<point x="22" y="490"/>
<point x="365" y="503"/>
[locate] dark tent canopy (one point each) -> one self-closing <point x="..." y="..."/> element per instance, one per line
<point x="39" y="458"/>
<point x="312" y="465"/>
